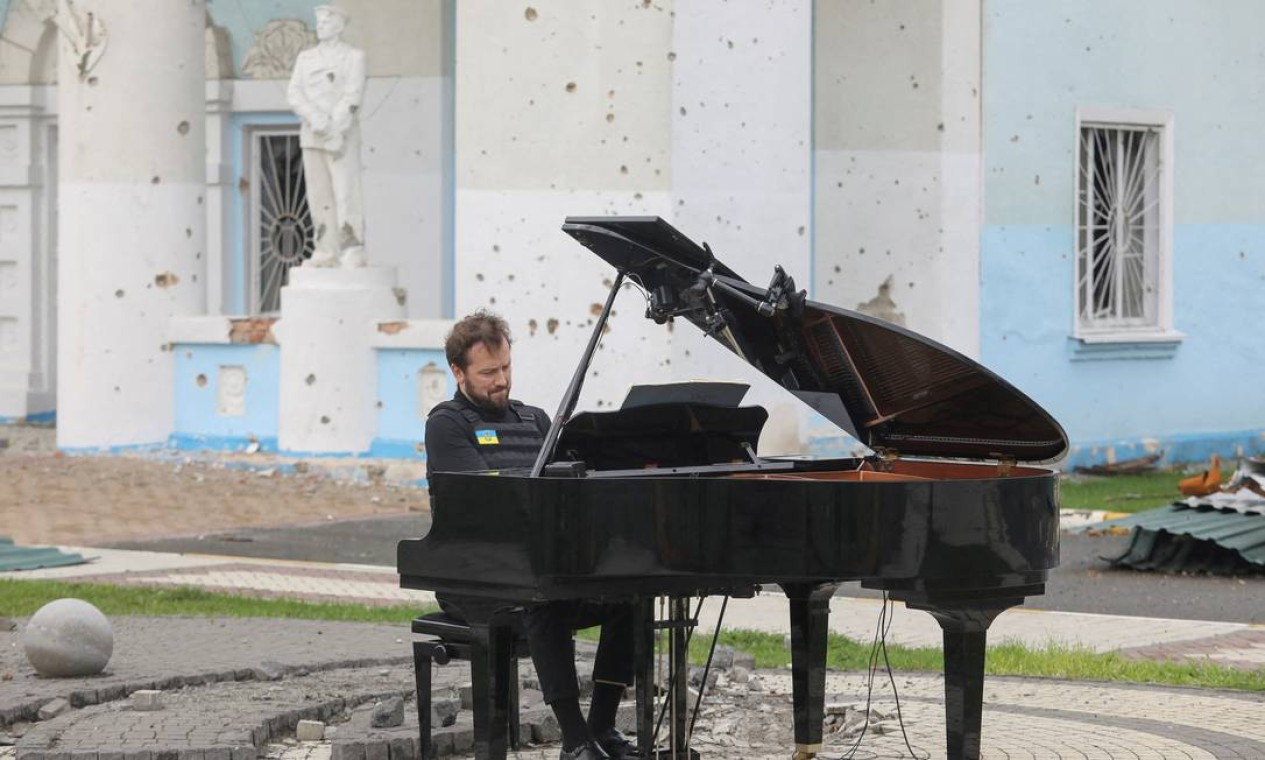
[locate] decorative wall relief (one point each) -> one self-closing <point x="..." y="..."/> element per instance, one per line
<point x="432" y="386"/>
<point x="8" y="279"/>
<point x="8" y="335"/>
<point x="276" y="47"/>
<point x="231" y="391"/>
<point x="8" y="224"/>
<point x="8" y="144"/>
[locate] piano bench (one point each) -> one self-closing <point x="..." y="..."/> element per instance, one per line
<point x="493" y="652"/>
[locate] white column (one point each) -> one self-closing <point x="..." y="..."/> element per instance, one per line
<point x="329" y="372"/>
<point x="132" y="220"/>
<point x="219" y="190"/>
<point x="26" y="369"/>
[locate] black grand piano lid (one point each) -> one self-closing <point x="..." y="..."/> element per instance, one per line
<point x="890" y="388"/>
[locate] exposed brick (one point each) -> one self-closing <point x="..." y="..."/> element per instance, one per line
<point x="252" y="330"/>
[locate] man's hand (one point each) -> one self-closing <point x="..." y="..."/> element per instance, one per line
<point x="320" y="123"/>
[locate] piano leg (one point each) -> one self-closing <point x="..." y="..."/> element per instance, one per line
<point x="643" y="620"/>
<point x="491" y="647"/>
<point x="810" y="623"/>
<point x="679" y="613"/>
<point x="965" y="629"/>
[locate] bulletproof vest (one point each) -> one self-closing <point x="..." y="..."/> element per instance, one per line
<point x="502" y="445"/>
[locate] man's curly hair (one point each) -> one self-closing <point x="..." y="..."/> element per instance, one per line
<point x="483" y="327"/>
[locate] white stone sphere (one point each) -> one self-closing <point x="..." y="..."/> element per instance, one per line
<point x="67" y="638"/>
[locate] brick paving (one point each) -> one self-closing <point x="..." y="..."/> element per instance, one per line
<point x="217" y="708"/>
<point x="216" y="705"/>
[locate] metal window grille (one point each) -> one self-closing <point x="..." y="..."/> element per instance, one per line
<point x="1118" y="235"/>
<point x="281" y="225"/>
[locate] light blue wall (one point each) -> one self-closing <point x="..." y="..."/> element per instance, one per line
<point x="401" y="427"/>
<point x="199" y="425"/>
<point x="1204" y="62"/>
<point x="198" y="422"/>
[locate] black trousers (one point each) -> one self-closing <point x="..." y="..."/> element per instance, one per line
<point x="550" y="629"/>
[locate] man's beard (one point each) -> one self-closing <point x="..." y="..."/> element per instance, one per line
<point x="497" y="401"/>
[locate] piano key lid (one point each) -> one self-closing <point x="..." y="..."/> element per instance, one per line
<point x="890" y="388"/>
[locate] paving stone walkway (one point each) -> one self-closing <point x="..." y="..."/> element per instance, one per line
<point x="220" y="704"/>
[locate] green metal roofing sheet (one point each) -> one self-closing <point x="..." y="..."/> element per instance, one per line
<point x="31" y="557"/>
<point x="1195" y="536"/>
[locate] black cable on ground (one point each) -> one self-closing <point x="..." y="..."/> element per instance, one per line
<point x="879" y="647"/>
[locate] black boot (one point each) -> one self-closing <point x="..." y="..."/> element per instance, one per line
<point x="616" y="745"/>
<point x="590" y="750"/>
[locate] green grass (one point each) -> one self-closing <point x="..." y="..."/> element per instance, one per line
<point x="1007" y="658"/>
<point x="1120" y="493"/>
<point x="21" y="598"/>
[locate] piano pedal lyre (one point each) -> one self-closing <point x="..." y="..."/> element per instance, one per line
<point x="674" y="619"/>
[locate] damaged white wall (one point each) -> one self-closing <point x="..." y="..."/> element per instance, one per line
<point x="132" y="214"/>
<point x="562" y="109"/>
<point x="742" y="169"/>
<point x="897" y="136"/>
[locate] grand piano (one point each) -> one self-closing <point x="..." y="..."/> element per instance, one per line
<point x="948" y="514"/>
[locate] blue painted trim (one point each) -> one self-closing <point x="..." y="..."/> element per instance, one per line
<point x="1187" y="447"/>
<point x="130" y="448"/>
<point x="235" y="297"/>
<point x="195" y="442"/>
<point x="323" y="454"/>
<point x="393" y="448"/>
<point x="285" y="468"/>
<point x="1080" y="351"/>
<point x="39" y="419"/>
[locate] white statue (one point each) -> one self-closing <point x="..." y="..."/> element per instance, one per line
<point x="326" y="88"/>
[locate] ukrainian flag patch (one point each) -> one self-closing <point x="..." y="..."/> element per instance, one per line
<point x="486" y="437"/>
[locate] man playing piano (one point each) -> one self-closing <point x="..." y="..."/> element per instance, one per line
<point x="482" y="428"/>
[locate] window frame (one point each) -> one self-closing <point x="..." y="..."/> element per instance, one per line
<point x="1161" y="329"/>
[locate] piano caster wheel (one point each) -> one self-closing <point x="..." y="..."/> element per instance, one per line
<point x="803" y="754"/>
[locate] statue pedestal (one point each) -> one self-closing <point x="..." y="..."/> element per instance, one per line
<point x="329" y="375"/>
